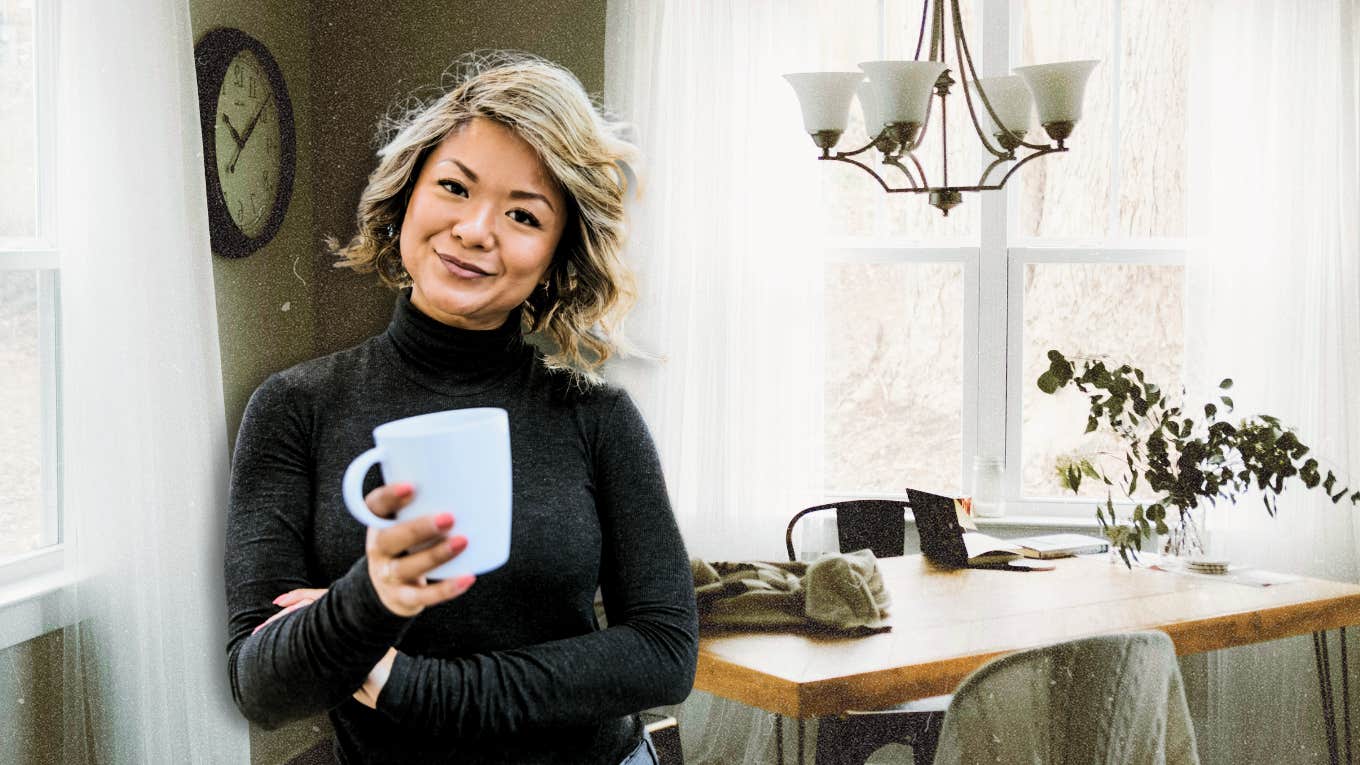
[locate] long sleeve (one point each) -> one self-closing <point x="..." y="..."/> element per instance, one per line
<point x="647" y="655"/>
<point x="316" y="657"/>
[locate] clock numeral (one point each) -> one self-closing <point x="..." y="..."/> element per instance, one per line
<point x="240" y="210"/>
<point x="237" y="76"/>
<point x="252" y="88"/>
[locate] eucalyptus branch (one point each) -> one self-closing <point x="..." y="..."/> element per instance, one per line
<point x="1184" y="459"/>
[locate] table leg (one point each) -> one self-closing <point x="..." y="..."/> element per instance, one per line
<point x="779" y="739"/>
<point x="1346" y="695"/>
<point x="1325" y="686"/>
<point x="800" y="741"/>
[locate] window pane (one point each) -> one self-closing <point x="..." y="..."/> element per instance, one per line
<point x="894" y="376"/>
<point x="1129" y="313"/>
<point x="1152" y="117"/>
<point x="19" y="148"/>
<point x="1068" y="195"/>
<point x="21" y="426"/>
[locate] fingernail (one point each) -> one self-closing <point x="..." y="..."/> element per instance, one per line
<point x="465" y="581"/>
<point x="281" y="597"/>
<point x="403" y="490"/>
<point x="457" y="544"/>
<point x="443" y="521"/>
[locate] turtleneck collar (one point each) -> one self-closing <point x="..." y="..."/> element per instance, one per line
<point x="452" y="353"/>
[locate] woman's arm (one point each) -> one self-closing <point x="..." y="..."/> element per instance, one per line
<point x="645" y="658"/>
<point x="316" y="658"/>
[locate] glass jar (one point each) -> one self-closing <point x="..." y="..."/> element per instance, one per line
<point x="988" y="499"/>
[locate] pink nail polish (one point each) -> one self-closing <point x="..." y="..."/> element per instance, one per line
<point x="281" y="597"/>
<point x="465" y="581"/>
<point x="443" y="521"/>
<point x="403" y="490"/>
<point x="457" y="543"/>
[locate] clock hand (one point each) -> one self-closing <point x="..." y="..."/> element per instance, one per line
<point x="246" y="137"/>
<point x="235" y="136"/>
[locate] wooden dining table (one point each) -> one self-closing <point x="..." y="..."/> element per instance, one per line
<point x="948" y="622"/>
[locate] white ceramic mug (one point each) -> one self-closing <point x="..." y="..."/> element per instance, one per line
<point x="459" y="462"/>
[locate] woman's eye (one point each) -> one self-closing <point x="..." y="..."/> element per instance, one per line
<point x="520" y="216"/>
<point x="454" y="187"/>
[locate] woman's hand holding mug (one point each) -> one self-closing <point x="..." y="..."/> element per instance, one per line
<point x="400" y="578"/>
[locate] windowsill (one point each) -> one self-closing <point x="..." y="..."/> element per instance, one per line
<point x="1038" y="521"/>
<point x="39" y="602"/>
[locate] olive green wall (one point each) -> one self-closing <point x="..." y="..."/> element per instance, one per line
<point x="344" y="62"/>
<point x="266" y="305"/>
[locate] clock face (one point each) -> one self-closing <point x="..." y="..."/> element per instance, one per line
<point x="249" y="143"/>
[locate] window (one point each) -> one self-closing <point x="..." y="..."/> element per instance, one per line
<point x="938" y="327"/>
<point x="30" y="518"/>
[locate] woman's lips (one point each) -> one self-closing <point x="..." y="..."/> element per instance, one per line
<point x="461" y="269"/>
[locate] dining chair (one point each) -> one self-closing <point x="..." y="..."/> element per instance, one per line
<point x="849" y="739"/>
<point x="1108" y="699"/>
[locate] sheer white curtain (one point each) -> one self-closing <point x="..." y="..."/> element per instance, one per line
<point x="143" y="428"/>
<point x="1273" y="299"/>
<point x="725" y="236"/>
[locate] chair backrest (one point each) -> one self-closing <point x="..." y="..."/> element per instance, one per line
<point x="1114" y="699"/>
<point x="878" y="524"/>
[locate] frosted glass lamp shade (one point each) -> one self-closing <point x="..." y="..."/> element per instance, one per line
<point x="825" y="98"/>
<point x="1058" y="88"/>
<point x="903" y="88"/>
<point x="868" y="103"/>
<point x="1010" y="99"/>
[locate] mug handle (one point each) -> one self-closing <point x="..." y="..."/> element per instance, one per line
<point x="352" y="489"/>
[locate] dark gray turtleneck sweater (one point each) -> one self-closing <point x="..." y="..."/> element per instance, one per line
<point x="517" y="670"/>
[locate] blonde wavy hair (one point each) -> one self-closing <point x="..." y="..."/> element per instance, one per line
<point x="590" y="288"/>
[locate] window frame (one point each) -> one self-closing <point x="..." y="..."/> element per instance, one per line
<point x="35" y="596"/>
<point x="994" y="286"/>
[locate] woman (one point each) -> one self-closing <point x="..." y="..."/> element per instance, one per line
<point x="498" y="207"/>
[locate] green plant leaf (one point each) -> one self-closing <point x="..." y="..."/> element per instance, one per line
<point x="1210" y="410"/>
<point x="1227" y="401"/>
<point x="1092" y="423"/>
<point x="1048" y="383"/>
<point x="1226" y="384"/>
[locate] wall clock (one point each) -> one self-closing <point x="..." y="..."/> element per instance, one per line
<point x="249" y="147"/>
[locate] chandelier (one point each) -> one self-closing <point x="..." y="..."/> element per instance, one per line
<point x="896" y="102"/>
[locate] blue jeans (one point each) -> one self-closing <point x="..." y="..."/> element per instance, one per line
<point x="644" y="754"/>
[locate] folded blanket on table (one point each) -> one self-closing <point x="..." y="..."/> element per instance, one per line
<point x="842" y="593"/>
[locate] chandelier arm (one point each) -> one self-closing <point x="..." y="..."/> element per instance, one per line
<point x="910" y="178"/>
<point x="920" y="170"/>
<point x="966" y="69"/>
<point x="871" y="144"/>
<point x="937" y="32"/>
<point x="921" y="36"/>
<point x="1036" y="146"/>
<point x="983" y="180"/>
<point x="870" y="171"/>
<point x="1041" y="152"/>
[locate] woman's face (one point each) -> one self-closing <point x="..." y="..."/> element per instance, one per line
<point x="481" y="227"/>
